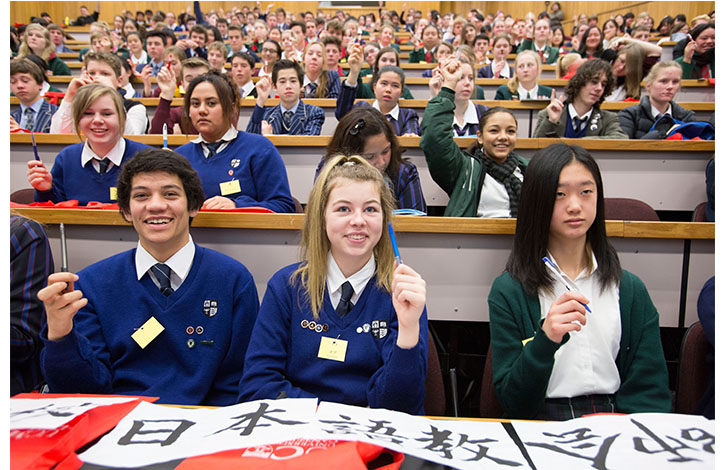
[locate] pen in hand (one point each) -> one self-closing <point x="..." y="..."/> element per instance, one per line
<point x="549" y="264"/>
<point x="395" y="243"/>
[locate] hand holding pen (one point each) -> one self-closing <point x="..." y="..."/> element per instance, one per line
<point x="567" y="313"/>
<point x="409" y="294"/>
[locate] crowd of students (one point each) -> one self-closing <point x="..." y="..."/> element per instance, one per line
<point x="307" y="337"/>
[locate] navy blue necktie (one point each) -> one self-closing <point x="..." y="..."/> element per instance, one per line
<point x="311" y="89"/>
<point x="163" y="275"/>
<point x="344" y="307"/>
<point x="103" y="165"/>
<point x="287" y="119"/>
<point x="30" y="119"/>
<point x="213" y="147"/>
<point x="579" y="124"/>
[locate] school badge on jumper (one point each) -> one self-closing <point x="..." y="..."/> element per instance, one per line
<point x="210" y="308"/>
<point x="235" y="162"/>
<point x="379" y="329"/>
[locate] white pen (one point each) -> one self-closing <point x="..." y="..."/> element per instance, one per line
<point x="549" y="264"/>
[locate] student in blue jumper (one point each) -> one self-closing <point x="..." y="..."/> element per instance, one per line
<point x="195" y="306"/>
<point x="347" y="324"/>
<point x="561" y="353"/>
<point x="87" y="171"/>
<point x="388" y="83"/>
<point x="291" y="116"/>
<point x="237" y="169"/>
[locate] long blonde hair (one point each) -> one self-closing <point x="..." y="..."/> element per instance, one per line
<point x="513" y="83"/>
<point x="49" y="46"/>
<point x="315" y="246"/>
<point x="323" y="78"/>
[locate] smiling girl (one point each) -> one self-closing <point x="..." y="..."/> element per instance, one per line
<point x="87" y="171"/>
<point x="560" y="354"/>
<point x="319" y="83"/>
<point x="485" y="180"/>
<point x="347" y="324"/>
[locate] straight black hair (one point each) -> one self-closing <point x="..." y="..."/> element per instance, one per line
<point x="536" y="205"/>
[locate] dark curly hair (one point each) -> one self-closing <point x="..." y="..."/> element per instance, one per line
<point x="588" y="71"/>
<point x="155" y="159"/>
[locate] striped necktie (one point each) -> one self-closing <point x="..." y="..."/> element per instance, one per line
<point x="30" y="119"/>
<point x="163" y="275"/>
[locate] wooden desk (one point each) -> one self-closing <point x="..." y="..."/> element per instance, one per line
<point x="668" y="175"/>
<point x="459" y="258"/>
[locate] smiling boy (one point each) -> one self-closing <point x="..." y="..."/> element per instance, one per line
<point x="169" y="318"/>
<point x="291" y="116"/>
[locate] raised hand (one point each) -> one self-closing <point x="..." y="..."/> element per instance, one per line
<point x="555" y="107"/>
<point x="409" y="294"/>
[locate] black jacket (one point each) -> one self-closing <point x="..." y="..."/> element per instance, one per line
<point x="636" y="121"/>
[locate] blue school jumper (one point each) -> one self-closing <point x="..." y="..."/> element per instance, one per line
<point x="196" y="360"/>
<point x="84" y="183"/>
<point x="254" y="162"/>
<point x="283" y="354"/>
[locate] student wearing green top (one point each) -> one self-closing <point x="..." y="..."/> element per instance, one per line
<point x="36" y="40"/>
<point x="426" y="52"/>
<point x="485" y="180"/>
<point x="524" y="84"/>
<point x="386" y="37"/>
<point x="538" y="44"/>
<point x="698" y="59"/>
<point x="561" y="352"/>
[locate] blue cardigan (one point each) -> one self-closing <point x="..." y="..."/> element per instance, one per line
<point x="283" y="353"/>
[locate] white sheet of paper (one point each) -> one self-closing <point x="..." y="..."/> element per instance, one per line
<point x="153" y="434"/>
<point x="459" y="444"/>
<point x="50" y="413"/>
<point x="639" y="441"/>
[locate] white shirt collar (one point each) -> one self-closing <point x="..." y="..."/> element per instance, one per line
<point x="246" y="89"/>
<point x="470" y="116"/>
<point x="656" y="112"/>
<point x="533" y="93"/>
<point x="308" y="81"/>
<point x="180" y="263"/>
<point x="335" y="279"/>
<point x="115" y="155"/>
<point x="35" y="106"/>
<point x="573" y="114"/>
<point x="130" y="91"/>
<point x="228" y="136"/>
<point x="393" y="112"/>
<point x="293" y="108"/>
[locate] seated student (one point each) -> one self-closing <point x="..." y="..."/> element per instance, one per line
<point x="101" y="42"/>
<point x="567" y="65"/>
<point x="560" y="354"/>
<point x="467" y="114"/>
<point x="167" y="279"/>
<point x="333" y="51"/>
<point x="259" y="35"/>
<point x="539" y="43"/>
<point x="31" y="262"/>
<point x="137" y="54"/>
<point x="173" y="57"/>
<point x="291" y="116"/>
<point x="388" y="85"/>
<point x="57" y="36"/>
<point x="36" y="40"/>
<point x="426" y="52"/>
<point x="443" y="51"/>
<point x="631" y="62"/>
<point x="318" y="82"/>
<point x="88" y="171"/>
<point x="385" y="56"/>
<point x="370" y="52"/>
<point x="237" y="169"/>
<point x="386" y="36"/>
<point x="579" y="115"/>
<point x="271" y="53"/>
<point x="498" y="68"/>
<point x="347" y="281"/>
<point x="124" y="81"/>
<point x="698" y="59"/>
<point x="241" y="73"/>
<point x="591" y="45"/>
<point x="217" y="56"/>
<point x="524" y="85"/>
<point x="155" y="46"/>
<point x="300" y="42"/>
<point x="106" y="68"/>
<point x="481" y="46"/>
<point x="165" y="114"/>
<point x="195" y="46"/>
<point x="365" y="131"/>
<point x="236" y="43"/>
<point x="662" y="84"/>
<point x="46" y="87"/>
<point x="463" y="175"/>
<point x="26" y="83"/>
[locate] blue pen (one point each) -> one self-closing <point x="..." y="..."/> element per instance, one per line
<point x="35" y="147"/>
<point x="395" y="243"/>
<point x="165" y="138"/>
<point x="549" y="264"/>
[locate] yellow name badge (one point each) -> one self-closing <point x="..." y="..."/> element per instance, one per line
<point x="333" y="349"/>
<point x="114" y="194"/>
<point x="230" y="187"/>
<point x="148" y="332"/>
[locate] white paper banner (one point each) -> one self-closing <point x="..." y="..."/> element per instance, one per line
<point x="461" y="444"/>
<point x="637" y="441"/>
<point x="153" y="433"/>
<point x="50" y="413"/>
